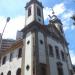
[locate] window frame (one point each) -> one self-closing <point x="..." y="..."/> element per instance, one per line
<point x="9" y="73"/>
<point x="11" y="56"/>
<point x="63" y="55"/>
<point x="60" y="68"/>
<point x="29" y="11"/>
<point x="43" y="69"/>
<point x="1" y="73"/>
<point x="57" y="52"/>
<point x="19" y="54"/>
<point x="4" y="60"/>
<point x="18" y="72"/>
<point x="51" y="53"/>
<point x="38" y="11"/>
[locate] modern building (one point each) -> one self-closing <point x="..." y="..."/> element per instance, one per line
<point x="5" y="43"/>
<point x="19" y="35"/>
<point x="43" y="50"/>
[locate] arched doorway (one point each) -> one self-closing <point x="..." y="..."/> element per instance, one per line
<point x="2" y="73"/>
<point x="9" y="73"/>
<point x="18" y="71"/>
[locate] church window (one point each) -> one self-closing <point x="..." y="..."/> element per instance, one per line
<point x="59" y="69"/>
<point x="20" y="53"/>
<point x="29" y="11"/>
<point x="57" y="52"/>
<point x="38" y="12"/>
<point x="2" y="73"/>
<point x="18" y="71"/>
<point x="9" y="73"/>
<point x="27" y="67"/>
<point x="11" y="56"/>
<point x="62" y="54"/>
<point x="41" y="41"/>
<point x="50" y="50"/>
<point x="4" y="60"/>
<point x="43" y="69"/>
<point x="28" y="42"/>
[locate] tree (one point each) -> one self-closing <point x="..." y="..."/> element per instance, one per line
<point x="73" y="18"/>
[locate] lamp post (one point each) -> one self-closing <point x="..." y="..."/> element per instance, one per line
<point x="7" y="20"/>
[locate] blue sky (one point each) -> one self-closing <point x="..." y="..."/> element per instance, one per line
<point x="15" y="9"/>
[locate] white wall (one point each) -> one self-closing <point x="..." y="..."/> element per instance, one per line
<point x="41" y="47"/>
<point x="11" y="66"/>
<point x="68" y="59"/>
<point x="31" y="17"/>
<point x="54" y="60"/>
<point x="28" y="59"/>
<point x="34" y="15"/>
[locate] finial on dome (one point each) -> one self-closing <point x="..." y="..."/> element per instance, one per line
<point x="53" y="11"/>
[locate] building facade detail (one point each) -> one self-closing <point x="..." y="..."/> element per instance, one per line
<point x="39" y="49"/>
<point x="34" y="12"/>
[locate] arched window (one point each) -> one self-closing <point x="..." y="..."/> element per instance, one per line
<point x="2" y="73"/>
<point x="43" y="69"/>
<point x="57" y="52"/>
<point x="4" y="60"/>
<point x="38" y="12"/>
<point x="51" y="50"/>
<point x="63" y="55"/>
<point x="9" y="73"/>
<point x="60" y="68"/>
<point x="20" y="53"/>
<point x="29" y="11"/>
<point x="11" y="56"/>
<point x="18" y="71"/>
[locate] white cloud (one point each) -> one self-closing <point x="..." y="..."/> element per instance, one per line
<point x="73" y="27"/>
<point x="66" y="27"/>
<point x="14" y="24"/>
<point x="17" y="23"/>
<point x="66" y="20"/>
<point x="65" y="14"/>
<point x="46" y="11"/>
<point x="68" y="14"/>
<point x="58" y="9"/>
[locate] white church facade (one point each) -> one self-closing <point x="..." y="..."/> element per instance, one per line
<point x="42" y="50"/>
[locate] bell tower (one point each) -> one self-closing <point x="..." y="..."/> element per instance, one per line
<point x="56" y="22"/>
<point x="34" y="12"/>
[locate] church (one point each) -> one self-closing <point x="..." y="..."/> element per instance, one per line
<point x="42" y="50"/>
